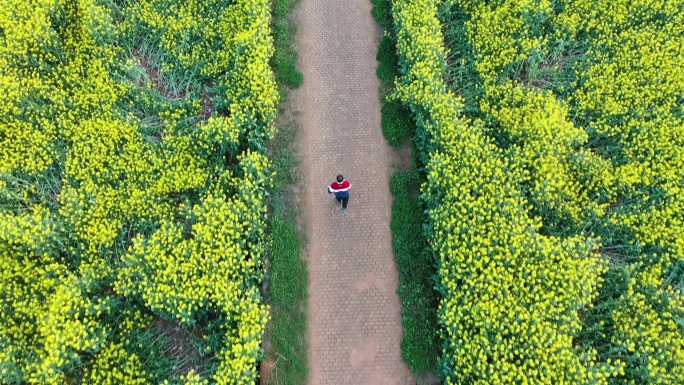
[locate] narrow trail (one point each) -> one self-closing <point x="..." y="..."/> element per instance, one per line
<point x="354" y="312"/>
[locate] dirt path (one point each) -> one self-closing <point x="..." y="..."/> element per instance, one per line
<point x="354" y="314"/>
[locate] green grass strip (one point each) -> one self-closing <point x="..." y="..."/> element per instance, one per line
<point x="284" y="61"/>
<point x="288" y="289"/>
<point x="288" y="276"/>
<point x="397" y="124"/>
<point x="416" y="271"/>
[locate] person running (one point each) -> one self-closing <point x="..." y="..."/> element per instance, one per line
<point x="341" y="190"/>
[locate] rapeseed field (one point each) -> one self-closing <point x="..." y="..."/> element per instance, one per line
<point x="551" y="135"/>
<point x="133" y="176"/>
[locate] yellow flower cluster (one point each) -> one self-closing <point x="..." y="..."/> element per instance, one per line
<point x="517" y="305"/>
<point x="69" y="327"/>
<point x="26" y="42"/>
<point x="97" y="216"/>
<point x="232" y="43"/>
<point x="632" y="90"/>
<point x="113" y="365"/>
<point x="499" y="33"/>
<point x="118" y="175"/>
<point x="28" y="277"/>
<point x="630" y="94"/>
<point x="216" y="263"/>
<point x="243" y="344"/>
<point x="565" y="179"/>
<point x="251" y="90"/>
<point x="47" y="320"/>
<point x="510" y="294"/>
<point x="646" y="331"/>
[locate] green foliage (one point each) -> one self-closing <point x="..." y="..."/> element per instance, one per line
<point x="285" y="162"/>
<point x="460" y="72"/>
<point x="288" y="339"/>
<point x="388" y="61"/>
<point x="288" y="282"/>
<point x="382" y="13"/>
<point x="417" y="269"/>
<point x="284" y="61"/>
<point x="397" y="123"/>
<point x="288" y="276"/>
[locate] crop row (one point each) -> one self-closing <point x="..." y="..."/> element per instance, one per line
<point x="552" y="184"/>
<point x="132" y="183"/>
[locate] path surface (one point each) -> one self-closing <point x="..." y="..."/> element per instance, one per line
<point x="354" y="313"/>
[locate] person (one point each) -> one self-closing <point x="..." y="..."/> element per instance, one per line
<point x="341" y="190"/>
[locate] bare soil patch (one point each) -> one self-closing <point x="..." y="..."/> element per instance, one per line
<point x="181" y="345"/>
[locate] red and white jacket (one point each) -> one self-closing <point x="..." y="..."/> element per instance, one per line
<point x="341" y="189"/>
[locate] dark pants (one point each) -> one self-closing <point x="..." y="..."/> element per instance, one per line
<point x="344" y="201"/>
